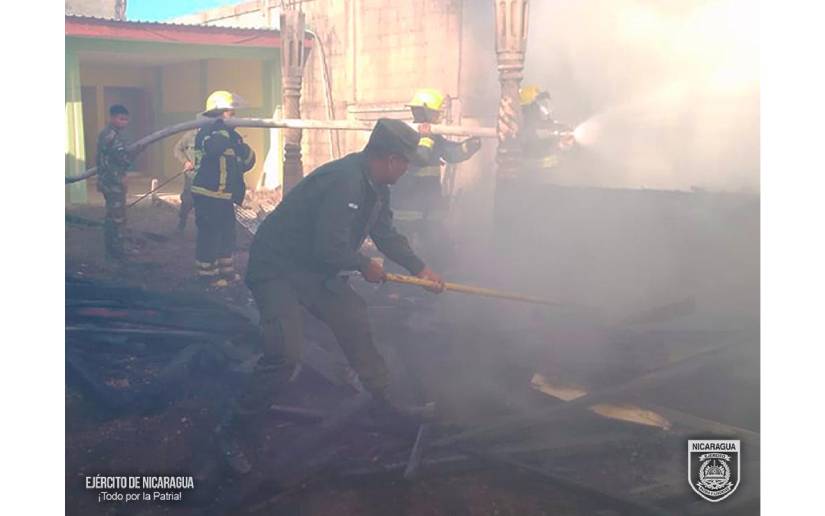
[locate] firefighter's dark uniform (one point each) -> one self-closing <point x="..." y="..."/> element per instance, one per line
<point x="418" y="192"/>
<point x="540" y="137"/>
<point x="221" y="159"/>
<point x="300" y="249"/>
<point x="112" y="163"/>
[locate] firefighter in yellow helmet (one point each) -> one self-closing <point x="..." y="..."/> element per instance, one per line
<point x="221" y="160"/>
<point x="418" y="194"/>
<point x="542" y="138"/>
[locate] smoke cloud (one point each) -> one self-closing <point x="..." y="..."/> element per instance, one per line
<point x="665" y="94"/>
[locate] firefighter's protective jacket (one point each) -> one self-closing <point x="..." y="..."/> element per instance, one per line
<point x="540" y="138"/>
<point x="435" y="148"/>
<point x="221" y="159"/>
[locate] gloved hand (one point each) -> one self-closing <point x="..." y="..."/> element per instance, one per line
<point x="472" y="145"/>
<point x="236" y="137"/>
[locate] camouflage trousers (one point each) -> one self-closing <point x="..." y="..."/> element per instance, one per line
<point x="114" y="220"/>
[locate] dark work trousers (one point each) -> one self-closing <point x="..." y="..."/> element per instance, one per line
<point x="215" y="220"/>
<point x="330" y="299"/>
<point x="420" y="194"/>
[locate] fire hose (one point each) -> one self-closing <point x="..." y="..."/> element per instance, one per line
<point x="155" y="189"/>
<point x="285" y="123"/>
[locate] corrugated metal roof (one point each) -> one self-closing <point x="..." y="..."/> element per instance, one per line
<point x="82" y="17"/>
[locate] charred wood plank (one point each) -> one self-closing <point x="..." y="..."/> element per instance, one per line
<point x="692" y="422"/>
<point x="312" y="441"/>
<point x="300" y="413"/>
<point x="455" y="462"/>
<point x="525" y="421"/>
<point x="417" y="452"/>
<point x="613" y="500"/>
<point x="105" y="330"/>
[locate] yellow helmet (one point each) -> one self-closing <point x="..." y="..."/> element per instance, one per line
<point x="221" y="100"/>
<point x="429" y="98"/>
<point x="528" y="94"/>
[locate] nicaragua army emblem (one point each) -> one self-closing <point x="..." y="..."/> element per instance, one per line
<point x="713" y="468"/>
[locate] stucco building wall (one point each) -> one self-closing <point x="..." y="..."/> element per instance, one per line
<point x="378" y="52"/>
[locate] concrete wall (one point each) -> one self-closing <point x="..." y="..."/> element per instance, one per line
<point x="377" y="57"/>
<point x="185" y="87"/>
<point x="378" y="52"/>
<point x="99" y="8"/>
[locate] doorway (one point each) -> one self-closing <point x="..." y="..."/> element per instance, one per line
<point x="137" y="102"/>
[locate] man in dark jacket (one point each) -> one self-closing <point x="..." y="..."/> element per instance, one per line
<point x="221" y="159"/>
<point x="315" y="234"/>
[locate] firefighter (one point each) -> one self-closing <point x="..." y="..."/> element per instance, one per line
<point x="221" y="159"/>
<point x="542" y="138"/>
<point x="113" y="160"/>
<point x="418" y="194"/>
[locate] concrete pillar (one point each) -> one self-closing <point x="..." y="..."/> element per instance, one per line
<point x="75" y="143"/>
<point x="511" y="43"/>
<point x="293" y="58"/>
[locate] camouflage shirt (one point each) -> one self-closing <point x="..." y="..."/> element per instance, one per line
<point x="113" y="160"/>
<point x="184" y="150"/>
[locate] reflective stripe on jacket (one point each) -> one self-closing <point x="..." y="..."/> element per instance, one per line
<point x="221" y="159"/>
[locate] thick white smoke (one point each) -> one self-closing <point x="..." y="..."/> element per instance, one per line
<point x="665" y="93"/>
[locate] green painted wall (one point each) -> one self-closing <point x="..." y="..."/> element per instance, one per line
<point x="75" y="159"/>
<point x="75" y="143"/>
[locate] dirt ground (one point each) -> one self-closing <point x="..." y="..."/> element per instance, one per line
<point x="176" y="438"/>
<point x="449" y="349"/>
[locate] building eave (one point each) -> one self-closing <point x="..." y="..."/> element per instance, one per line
<point x="104" y="28"/>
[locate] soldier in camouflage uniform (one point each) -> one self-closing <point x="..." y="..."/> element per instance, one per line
<point x="185" y="153"/>
<point x="113" y="160"/>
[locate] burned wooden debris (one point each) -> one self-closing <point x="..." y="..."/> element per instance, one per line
<point x="130" y="349"/>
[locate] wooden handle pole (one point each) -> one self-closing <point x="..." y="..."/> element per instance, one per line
<point x="467" y="289"/>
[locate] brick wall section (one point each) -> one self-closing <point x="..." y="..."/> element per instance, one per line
<point x="378" y="53"/>
<point x="379" y="56"/>
<point x="99" y="8"/>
